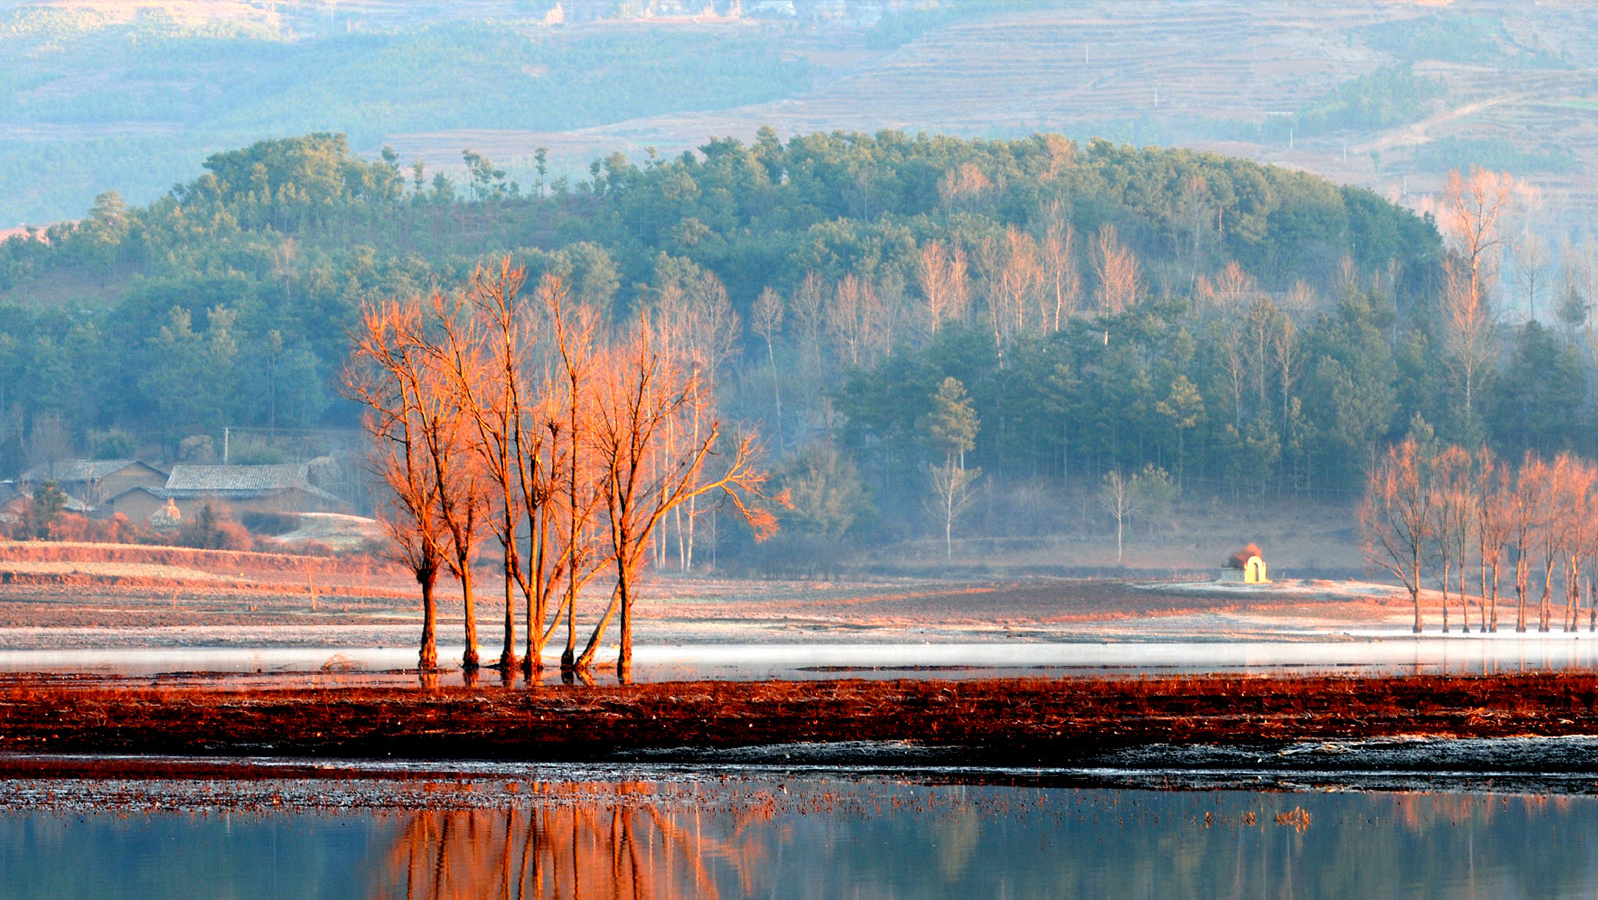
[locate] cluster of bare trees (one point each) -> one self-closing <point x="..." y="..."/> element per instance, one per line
<point x="1014" y="281"/>
<point x="1464" y="520"/>
<point x="564" y="443"/>
<point x="1031" y="284"/>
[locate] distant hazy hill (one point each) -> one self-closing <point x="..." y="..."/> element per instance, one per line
<point x="1382" y="95"/>
<point x="104" y="98"/>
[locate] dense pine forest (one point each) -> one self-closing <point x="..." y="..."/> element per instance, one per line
<point x="907" y="320"/>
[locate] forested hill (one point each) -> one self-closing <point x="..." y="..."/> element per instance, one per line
<point x="1103" y="306"/>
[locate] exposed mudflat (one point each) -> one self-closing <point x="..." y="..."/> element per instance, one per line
<point x="1270" y="726"/>
<point x="782" y="777"/>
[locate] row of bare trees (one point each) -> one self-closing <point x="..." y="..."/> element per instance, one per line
<point x="1463" y="520"/>
<point x="565" y="443"/>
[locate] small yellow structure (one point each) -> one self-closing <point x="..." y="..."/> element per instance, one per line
<point x="1246" y="566"/>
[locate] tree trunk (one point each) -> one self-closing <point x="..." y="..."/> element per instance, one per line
<point x="1573" y="594"/>
<point x="776" y="392"/>
<point x="693" y="502"/>
<point x="1445" y="594"/>
<point x="507" y="654"/>
<point x="1545" y="613"/>
<point x="1481" y="599"/>
<point x="428" y="658"/>
<point x="537" y="606"/>
<point x="469" y="657"/>
<point x="585" y="660"/>
<point x="624" y="656"/>
<point x="1521" y="574"/>
<point x="568" y="659"/>
<point x="948" y="531"/>
<point x="1495" y="598"/>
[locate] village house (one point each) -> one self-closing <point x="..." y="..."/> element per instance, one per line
<point x="12" y="501"/>
<point x="15" y="497"/>
<point x="91" y="482"/>
<point x="283" y="488"/>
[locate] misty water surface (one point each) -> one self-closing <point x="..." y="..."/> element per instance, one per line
<point x="821" y="838"/>
<point x="1360" y="654"/>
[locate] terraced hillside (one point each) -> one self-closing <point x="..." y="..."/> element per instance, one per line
<point x="94" y="109"/>
<point x="1225" y="76"/>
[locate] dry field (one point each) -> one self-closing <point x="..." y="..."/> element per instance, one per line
<point x="80" y="596"/>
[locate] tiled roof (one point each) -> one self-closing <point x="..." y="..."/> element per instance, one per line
<point x="242" y="482"/>
<point x="217" y="479"/>
<point x="158" y="493"/>
<point x="79" y="470"/>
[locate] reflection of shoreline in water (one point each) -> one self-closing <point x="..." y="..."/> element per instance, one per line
<point x="631" y="849"/>
<point x="807" y="837"/>
<point x="1361" y="653"/>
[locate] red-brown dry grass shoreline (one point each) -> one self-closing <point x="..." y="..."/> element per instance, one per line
<point x="998" y="721"/>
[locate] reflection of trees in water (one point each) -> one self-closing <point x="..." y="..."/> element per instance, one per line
<point x="616" y="847"/>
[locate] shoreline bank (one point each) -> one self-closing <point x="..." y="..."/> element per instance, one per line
<point x="988" y="722"/>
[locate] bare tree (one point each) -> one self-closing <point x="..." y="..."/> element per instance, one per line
<point x="964" y="187"/>
<point x="482" y="358"/>
<point x="1020" y="283"/>
<point x="1578" y="508"/>
<point x="1115" y="495"/>
<point x="1234" y="288"/>
<point x="1288" y="359"/>
<point x="809" y="317"/>
<point x="1530" y="253"/>
<point x="1300" y="299"/>
<point x="1116" y="270"/>
<point x="1472" y="332"/>
<point x="1495" y="489"/>
<point x="1261" y="324"/>
<point x="1453" y="509"/>
<point x="942" y="277"/>
<point x="1345" y="282"/>
<point x="1553" y="481"/>
<point x="1062" y="280"/>
<point x="1234" y="366"/>
<point x="1395" y="517"/>
<point x="579" y="464"/>
<point x="951" y="429"/>
<point x="1527" y="504"/>
<point x="641" y="484"/>
<point x="1473" y="211"/>
<point x="385" y="377"/>
<point x="463" y="486"/>
<point x="698" y="334"/>
<point x="855" y="320"/>
<point x="765" y="320"/>
<point x="1195" y="215"/>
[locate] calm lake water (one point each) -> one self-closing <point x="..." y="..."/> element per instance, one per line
<point x="1351" y="654"/>
<point x="805" y="837"/>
